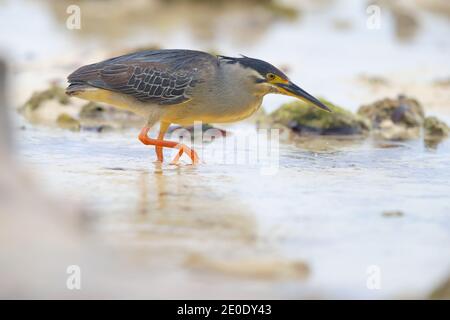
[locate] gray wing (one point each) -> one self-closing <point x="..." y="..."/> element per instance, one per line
<point x="162" y="77"/>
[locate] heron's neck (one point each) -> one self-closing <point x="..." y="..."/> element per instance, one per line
<point x="240" y="82"/>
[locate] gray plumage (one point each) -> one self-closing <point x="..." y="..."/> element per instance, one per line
<point x="162" y="76"/>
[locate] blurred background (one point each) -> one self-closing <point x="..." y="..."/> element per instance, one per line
<point x="364" y="216"/>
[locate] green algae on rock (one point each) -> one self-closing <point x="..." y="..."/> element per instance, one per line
<point x="54" y="92"/>
<point x="435" y="128"/>
<point x="395" y="119"/>
<point x="45" y="106"/>
<point x="91" y="110"/>
<point x="304" y="118"/>
<point x="66" y="121"/>
<point x="52" y="107"/>
<point x="435" y="131"/>
<point x="100" y="117"/>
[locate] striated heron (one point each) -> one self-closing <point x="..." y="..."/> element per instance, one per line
<point x="182" y="86"/>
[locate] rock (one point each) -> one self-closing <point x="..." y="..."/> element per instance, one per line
<point x="435" y="129"/>
<point x="394" y="119"/>
<point x="55" y="92"/>
<point x="390" y="131"/>
<point x="302" y="117"/>
<point x="91" y="110"/>
<point x="53" y="107"/>
<point x="44" y="107"/>
<point x="66" y="121"/>
<point x="392" y="214"/>
<point x="401" y="110"/>
<point x="96" y="116"/>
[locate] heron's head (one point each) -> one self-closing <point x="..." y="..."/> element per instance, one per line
<point x="269" y="79"/>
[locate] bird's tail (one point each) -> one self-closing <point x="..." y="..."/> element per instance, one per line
<point x="82" y="79"/>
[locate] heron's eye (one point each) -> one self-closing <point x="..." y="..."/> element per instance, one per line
<point x="270" y="76"/>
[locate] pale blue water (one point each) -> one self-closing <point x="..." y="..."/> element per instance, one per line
<point x="321" y="207"/>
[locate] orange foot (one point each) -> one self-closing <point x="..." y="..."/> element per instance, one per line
<point x="185" y="149"/>
<point x="160" y="143"/>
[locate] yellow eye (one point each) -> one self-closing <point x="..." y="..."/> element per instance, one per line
<point x="270" y="76"/>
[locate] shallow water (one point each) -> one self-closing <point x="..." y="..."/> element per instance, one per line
<point x="324" y="208"/>
<point x="312" y="228"/>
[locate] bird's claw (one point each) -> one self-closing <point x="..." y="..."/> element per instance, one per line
<point x="182" y="148"/>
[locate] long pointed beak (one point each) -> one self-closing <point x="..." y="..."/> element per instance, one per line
<point x="293" y="90"/>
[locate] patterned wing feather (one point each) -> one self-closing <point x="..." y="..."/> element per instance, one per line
<point x="162" y="77"/>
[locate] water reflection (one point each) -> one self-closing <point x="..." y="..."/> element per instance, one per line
<point x="328" y="143"/>
<point x="176" y="200"/>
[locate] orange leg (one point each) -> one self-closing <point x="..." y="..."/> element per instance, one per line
<point x="160" y="143"/>
<point x="159" y="150"/>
